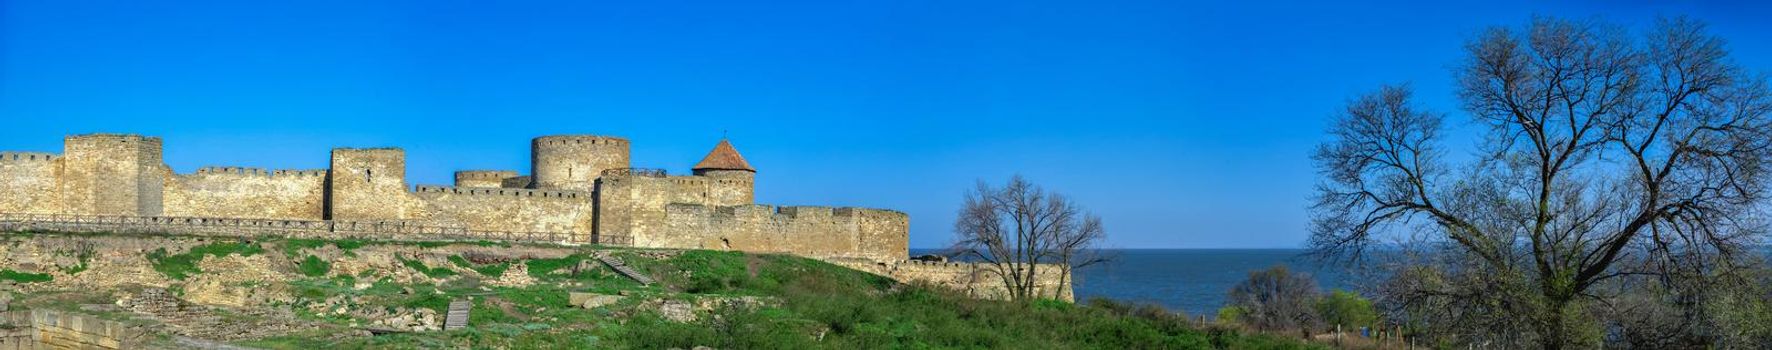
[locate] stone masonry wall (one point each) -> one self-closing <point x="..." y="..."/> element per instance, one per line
<point x="729" y="187"/>
<point x="484" y="178"/>
<point x="515" y="210"/>
<point x="60" y="330"/>
<point x="632" y="205"/>
<point x="726" y="188"/>
<point x="106" y="174"/>
<point x="652" y="210"/>
<point x="29" y="182"/>
<point x="975" y="279"/>
<point x="370" y="184"/>
<point x="819" y="232"/>
<point x="247" y="193"/>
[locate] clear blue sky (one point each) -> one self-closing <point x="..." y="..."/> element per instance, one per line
<point x="1183" y="125"/>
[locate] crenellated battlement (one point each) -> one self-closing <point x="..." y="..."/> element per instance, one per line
<point x="510" y="192"/>
<point x="485" y="174"/>
<point x="563" y="140"/>
<point x="117" y="138"/>
<point x="250" y="171"/>
<point x="28" y="156"/>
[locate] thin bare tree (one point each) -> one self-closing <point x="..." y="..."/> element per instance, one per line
<point x="1602" y="147"/>
<point x="1020" y="229"/>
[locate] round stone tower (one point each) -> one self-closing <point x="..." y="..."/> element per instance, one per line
<point x="573" y="162"/>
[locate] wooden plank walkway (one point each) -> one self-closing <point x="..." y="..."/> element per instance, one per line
<point x="624" y="269"/>
<point x="457" y="317"/>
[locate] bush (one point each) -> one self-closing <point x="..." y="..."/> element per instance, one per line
<point x="1276" y="299"/>
<point x="1347" y="309"/>
<point x="24" y="277"/>
<point x="432" y="272"/>
<point x="314" y="267"/>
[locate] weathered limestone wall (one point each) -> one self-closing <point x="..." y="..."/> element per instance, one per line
<point x="484" y="178"/>
<point x="818" y="232"/>
<point x="573" y="162"/>
<point x="247" y="193"/>
<point x="975" y="279"/>
<point x="724" y="189"/>
<point x="29" y="182"/>
<point x="513" y="210"/>
<point x="658" y="212"/>
<point x="108" y="174"/>
<point x="370" y="184"/>
<point x="517" y="182"/>
<point x="730" y="187"/>
<point x="632" y="206"/>
<point x="59" y="330"/>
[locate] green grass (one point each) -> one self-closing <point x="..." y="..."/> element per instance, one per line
<point x="542" y="268"/>
<point x="314" y="267"/>
<point x="433" y="272"/>
<point x="183" y="265"/>
<point x="24" y="277"/>
<point x="809" y="304"/>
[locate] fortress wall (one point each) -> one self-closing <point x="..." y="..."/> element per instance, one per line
<point x="110" y="174"/>
<point x="573" y="162"/>
<point x="819" y="232"/>
<point x="29" y="183"/>
<point x="516" y="182"/>
<point x="884" y="234"/>
<point x="483" y="178"/>
<point x="255" y="193"/>
<point x="513" y="210"/>
<point x="658" y="212"/>
<point x="975" y="279"/>
<point x="369" y="184"/>
<point x="631" y="205"/>
<point x="716" y="190"/>
<point x="689" y="190"/>
<point x="730" y="187"/>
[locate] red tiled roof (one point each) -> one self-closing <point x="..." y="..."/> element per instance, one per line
<point x="724" y="157"/>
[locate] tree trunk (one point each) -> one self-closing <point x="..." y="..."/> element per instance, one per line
<point x="1553" y="336"/>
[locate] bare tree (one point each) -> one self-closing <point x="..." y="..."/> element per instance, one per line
<point x="1020" y="229"/>
<point x="1602" y="147"/>
<point x="1276" y="299"/>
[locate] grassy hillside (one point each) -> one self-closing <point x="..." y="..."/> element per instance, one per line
<point x="752" y="301"/>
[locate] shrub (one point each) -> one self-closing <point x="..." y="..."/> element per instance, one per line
<point x="314" y="267"/>
<point x="1346" y="308"/>
<point x="432" y="272"/>
<point x="24" y="277"/>
<point x="1276" y="299"/>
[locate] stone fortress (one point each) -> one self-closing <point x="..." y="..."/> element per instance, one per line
<point x="581" y="190"/>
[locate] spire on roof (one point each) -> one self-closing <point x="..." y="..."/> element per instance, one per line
<point x="724" y="157"/>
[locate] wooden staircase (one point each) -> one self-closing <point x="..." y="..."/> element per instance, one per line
<point x="624" y="269"/>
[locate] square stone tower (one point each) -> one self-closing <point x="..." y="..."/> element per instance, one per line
<point x="112" y="174"/>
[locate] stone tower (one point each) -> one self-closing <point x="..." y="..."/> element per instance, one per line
<point x="112" y="174"/>
<point x="732" y="179"/>
<point x="573" y="162"/>
<point x="368" y="184"/>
